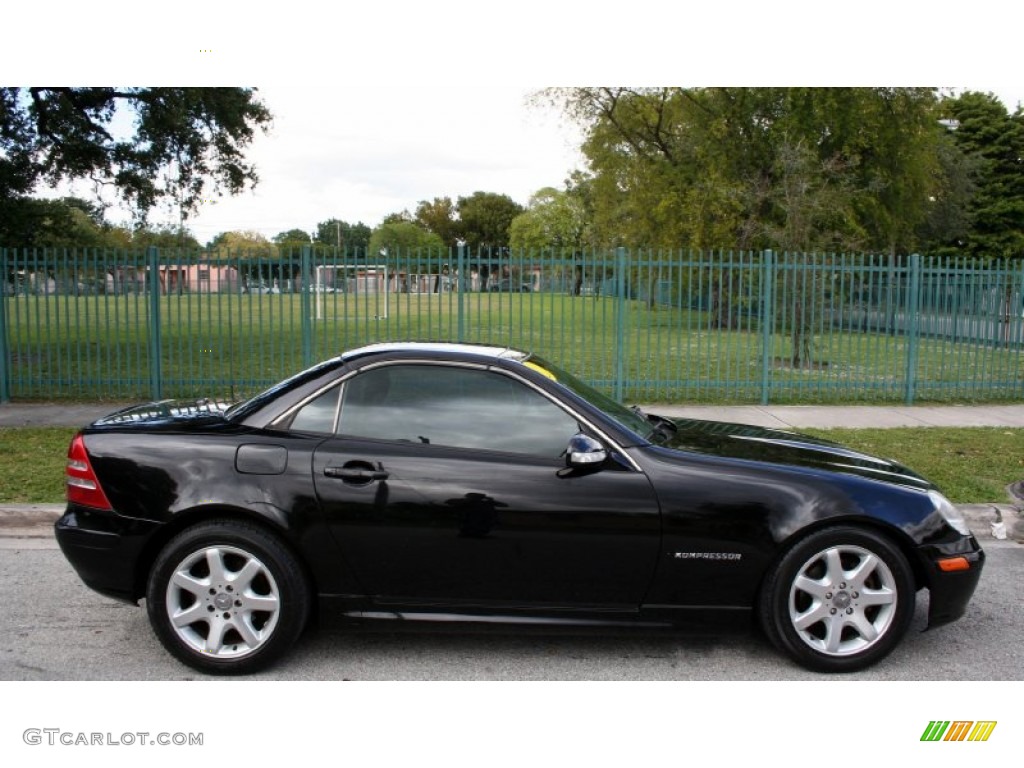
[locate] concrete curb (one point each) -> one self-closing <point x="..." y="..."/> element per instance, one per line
<point x="28" y="515"/>
<point x="982" y="520"/>
<point x="36" y="520"/>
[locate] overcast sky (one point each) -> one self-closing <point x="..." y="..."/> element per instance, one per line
<point x="361" y="153"/>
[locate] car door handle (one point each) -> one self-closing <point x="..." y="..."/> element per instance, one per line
<point x="356" y="474"/>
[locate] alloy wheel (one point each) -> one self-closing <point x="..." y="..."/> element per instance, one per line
<point x="223" y="601"/>
<point x="843" y="600"/>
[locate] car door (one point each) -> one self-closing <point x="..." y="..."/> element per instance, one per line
<point x="445" y="485"/>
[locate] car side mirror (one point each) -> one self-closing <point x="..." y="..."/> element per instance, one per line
<point x="584" y="451"/>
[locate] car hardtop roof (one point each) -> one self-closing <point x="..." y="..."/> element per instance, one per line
<point x="433" y="347"/>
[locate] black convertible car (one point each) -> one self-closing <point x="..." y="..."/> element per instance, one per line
<point x="445" y="482"/>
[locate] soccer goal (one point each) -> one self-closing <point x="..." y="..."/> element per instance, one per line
<point x="362" y="280"/>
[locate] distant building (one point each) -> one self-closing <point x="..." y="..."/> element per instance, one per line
<point x="198" y="278"/>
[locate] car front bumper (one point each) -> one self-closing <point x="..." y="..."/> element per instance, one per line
<point x="950" y="590"/>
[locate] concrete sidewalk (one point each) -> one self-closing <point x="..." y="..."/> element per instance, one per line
<point x="777" y="416"/>
<point x="851" y="416"/>
<point x="54" y="414"/>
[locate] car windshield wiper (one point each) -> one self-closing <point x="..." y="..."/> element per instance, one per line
<point x="662" y="428"/>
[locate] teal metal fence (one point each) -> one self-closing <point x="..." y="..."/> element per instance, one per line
<point x="643" y="325"/>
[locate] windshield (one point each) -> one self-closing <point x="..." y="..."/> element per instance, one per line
<point x="627" y="417"/>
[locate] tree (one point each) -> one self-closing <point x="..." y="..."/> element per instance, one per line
<point x="244" y="243"/>
<point x="64" y="223"/>
<point x="791" y="169"/>
<point x="341" y="234"/>
<point x="659" y="177"/>
<point x="397" y="217"/>
<point x="948" y="223"/>
<point x="698" y="167"/>
<point x="552" y="219"/>
<point x="994" y="140"/>
<point x="811" y="204"/>
<point x="166" y="236"/>
<point x="486" y="217"/>
<point x="75" y="224"/>
<point x="815" y="212"/>
<point x="292" y="238"/>
<point x="402" y="238"/>
<point x="181" y="141"/>
<point x="441" y="217"/>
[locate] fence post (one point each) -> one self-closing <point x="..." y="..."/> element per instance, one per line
<point x="460" y="284"/>
<point x="5" y="347"/>
<point x="912" y="332"/>
<point x="307" y="307"/>
<point x="767" y="321"/>
<point x="155" y="340"/>
<point x="620" y="322"/>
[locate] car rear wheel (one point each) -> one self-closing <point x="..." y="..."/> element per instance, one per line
<point x="839" y="600"/>
<point x="227" y="597"/>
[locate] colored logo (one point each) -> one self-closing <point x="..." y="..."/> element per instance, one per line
<point x="958" y="730"/>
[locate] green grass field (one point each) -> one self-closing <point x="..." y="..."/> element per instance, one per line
<point x="230" y="345"/>
<point x="970" y="464"/>
<point x="32" y="464"/>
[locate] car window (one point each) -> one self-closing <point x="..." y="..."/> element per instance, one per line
<point x="451" y="406"/>
<point x="318" y="414"/>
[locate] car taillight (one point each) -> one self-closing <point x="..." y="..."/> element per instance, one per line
<point x="83" y="487"/>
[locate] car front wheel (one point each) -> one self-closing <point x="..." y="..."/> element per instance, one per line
<point x="839" y="600"/>
<point x="227" y="597"/>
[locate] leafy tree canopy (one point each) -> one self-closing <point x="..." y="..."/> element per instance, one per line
<point x="64" y="223"/>
<point x="149" y="144"/>
<point x="441" y="217"/>
<point x="552" y="219"/>
<point x="152" y="235"/>
<point x="403" y="237"/>
<point x="292" y="237"/>
<point x="354" y="237"/>
<point x="485" y="218"/>
<point x="397" y="217"/>
<point x="74" y="223"/>
<point x="993" y="140"/>
<point x="713" y="167"/>
<point x="244" y="242"/>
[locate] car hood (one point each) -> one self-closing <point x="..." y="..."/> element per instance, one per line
<point x="166" y="411"/>
<point x="743" y="441"/>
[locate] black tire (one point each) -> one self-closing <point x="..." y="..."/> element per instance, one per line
<point x="240" y="597"/>
<point x="839" y="600"/>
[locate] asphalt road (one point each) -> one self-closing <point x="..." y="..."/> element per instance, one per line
<point x="52" y="627"/>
